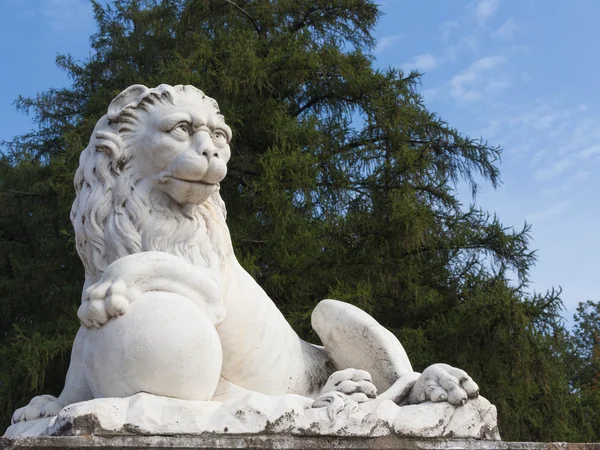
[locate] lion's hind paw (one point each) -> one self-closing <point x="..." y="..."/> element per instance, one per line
<point x="356" y="384"/>
<point x="41" y="406"/>
<point x="335" y="403"/>
<point x="441" y="383"/>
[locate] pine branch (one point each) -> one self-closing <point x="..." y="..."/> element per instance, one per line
<point x="256" y="27"/>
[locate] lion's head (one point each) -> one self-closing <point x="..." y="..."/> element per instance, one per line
<point x="149" y="179"/>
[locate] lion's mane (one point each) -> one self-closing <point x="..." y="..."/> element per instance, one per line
<point x="116" y="214"/>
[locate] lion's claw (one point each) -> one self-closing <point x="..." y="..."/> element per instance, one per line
<point x="436" y="394"/>
<point x="440" y="383"/>
<point x="471" y="388"/>
<point x="97" y="312"/>
<point x="51" y="409"/>
<point x="116" y="305"/>
<point x="40" y="406"/>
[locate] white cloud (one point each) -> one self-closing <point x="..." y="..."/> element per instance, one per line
<point x="544" y="122"/>
<point x="448" y="27"/>
<point x="560" y="190"/>
<point x="469" y="84"/>
<point x="589" y="152"/>
<point x="490" y="130"/>
<point x="537" y="157"/>
<point x="484" y="9"/>
<point x="386" y="42"/>
<point x="540" y="116"/>
<point x="470" y="42"/>
<point x="554" y="192"/>
<point x="507" y="30"/>
<point x="460" y="82"/>
<point x="580" y="175"/>
<point x="422" y="62"/>
<point x="496" y="84"/>
<point x="553" y="210"/>
<point x="487" y="63"/>
<point x="429" y="94"/>
<point x="585" y="133"/>
<point x="558" y="145"/>
<point x="554" y="170"/>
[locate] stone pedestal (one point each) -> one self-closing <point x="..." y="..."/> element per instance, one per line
<point x="258" y="415"/>
<point x="266" y="441"/>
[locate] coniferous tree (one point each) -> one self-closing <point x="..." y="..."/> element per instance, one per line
<point x="584" y="363"/>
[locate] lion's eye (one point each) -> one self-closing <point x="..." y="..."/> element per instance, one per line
<point x="219" y="135"/>
<point x="182" y="128"/>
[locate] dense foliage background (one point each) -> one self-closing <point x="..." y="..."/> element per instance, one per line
<point x="341" y="184"/>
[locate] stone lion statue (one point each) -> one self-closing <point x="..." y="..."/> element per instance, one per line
<point x="168" y="310"/>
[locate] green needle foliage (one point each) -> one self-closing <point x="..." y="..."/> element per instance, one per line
<point x="341" y="184"/>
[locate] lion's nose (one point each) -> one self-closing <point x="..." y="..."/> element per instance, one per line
<point x="205" y="146"/>
<point x="210" y="154"/>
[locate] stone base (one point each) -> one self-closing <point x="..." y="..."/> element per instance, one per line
<point x="273" y="442"/>
<point x="258" y="414"/>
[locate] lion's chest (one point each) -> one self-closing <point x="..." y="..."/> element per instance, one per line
<point x="201" y="239"/>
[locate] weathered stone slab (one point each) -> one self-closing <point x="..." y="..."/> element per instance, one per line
<point x="145" y="414"/>
<point x="274" y="442"/>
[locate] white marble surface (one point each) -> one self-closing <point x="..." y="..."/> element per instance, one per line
<point x="168" y="310"/>
<point x="257" y="413"/>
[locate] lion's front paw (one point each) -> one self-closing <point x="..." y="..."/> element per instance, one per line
<point x="104" y="300"/>
<point x="41" y="406"/>
<point x="356" y="384"/>
<point x="335" y="403"/>
<point x="440" y="383"/>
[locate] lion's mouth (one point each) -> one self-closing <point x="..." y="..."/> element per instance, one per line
<point x="184" y="180"/>
<point x="194" y="181"/>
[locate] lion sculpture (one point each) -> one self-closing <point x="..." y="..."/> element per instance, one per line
<point x="166" y="307"/>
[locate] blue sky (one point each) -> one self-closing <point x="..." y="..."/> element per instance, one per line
<point x="521" y="74"/>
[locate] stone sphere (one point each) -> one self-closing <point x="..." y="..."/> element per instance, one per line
<point x="164" y="345"/>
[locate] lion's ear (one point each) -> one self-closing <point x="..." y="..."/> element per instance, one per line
<point x="128" y="96"/>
